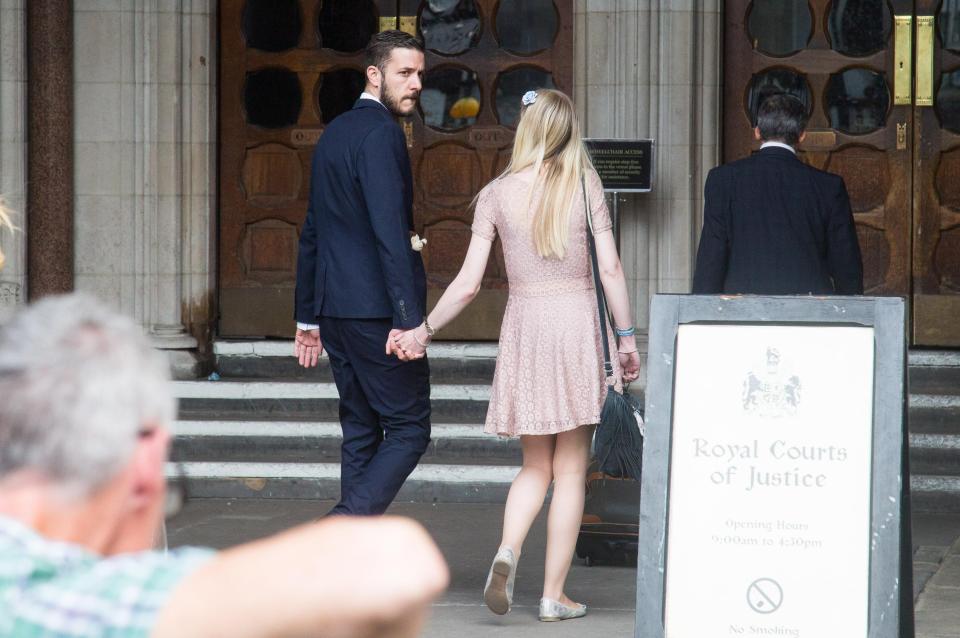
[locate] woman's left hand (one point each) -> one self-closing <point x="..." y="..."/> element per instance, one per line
<point x="629" y="365"/>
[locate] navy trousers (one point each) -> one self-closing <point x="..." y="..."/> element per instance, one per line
<point x="384" y="413"/>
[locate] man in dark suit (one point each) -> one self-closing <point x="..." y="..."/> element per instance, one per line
<point x="360" y="281"/>
<point x="774" y="225"/>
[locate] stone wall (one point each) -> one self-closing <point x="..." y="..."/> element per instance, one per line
<point x="146" y="158"/>
<point x="651" y="69"/>
<point x="13" y="150"/>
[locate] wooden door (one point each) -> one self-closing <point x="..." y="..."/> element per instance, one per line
<point x="839" y="59"/>
<point x="482" y="56"/>
<point x="288" y="67"/>
<point x="882" y="81"/>
<point x="936" y="256"/>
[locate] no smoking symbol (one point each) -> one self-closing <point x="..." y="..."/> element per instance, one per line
<point x="764" y="596"/>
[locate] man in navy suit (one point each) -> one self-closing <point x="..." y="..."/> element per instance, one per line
<point x="773" y="225"/>
<point x="360" y="282"/>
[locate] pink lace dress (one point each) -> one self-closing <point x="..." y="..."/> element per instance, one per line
<point x="549" y="376"/>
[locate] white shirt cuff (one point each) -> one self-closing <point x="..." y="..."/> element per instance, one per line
<point x="307" y="326"/>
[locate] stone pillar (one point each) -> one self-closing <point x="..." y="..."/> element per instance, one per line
<point x="160" y="175"/>
<point x="651" y="69"/>
<point x="198" y="166"/>
<point x="49" y="111"/>
<point x="146" y="152"/>
<point x="13" y="150"/>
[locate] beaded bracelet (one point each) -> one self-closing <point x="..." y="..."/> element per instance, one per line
<point x="625" y="332"/>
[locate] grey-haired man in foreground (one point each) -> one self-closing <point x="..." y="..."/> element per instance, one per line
<point x="85" y="406"/>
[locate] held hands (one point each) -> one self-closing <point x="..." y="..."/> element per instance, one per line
<point x="408" y="345"/>
<point x="307" y="347"/>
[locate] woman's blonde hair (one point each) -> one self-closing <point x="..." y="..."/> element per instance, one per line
<point x="5" y="222"/>
<point x="548" y="139"/>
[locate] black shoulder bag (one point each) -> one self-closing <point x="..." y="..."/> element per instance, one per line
<point x="618" y="442"/>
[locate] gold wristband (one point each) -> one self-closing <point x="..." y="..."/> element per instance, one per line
<point x="428" y="328"/>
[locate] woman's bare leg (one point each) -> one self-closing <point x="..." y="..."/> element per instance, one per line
<point x="528" y="490"/>
<point x="570" y="459"/>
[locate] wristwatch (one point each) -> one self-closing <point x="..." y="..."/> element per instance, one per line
<point x="428" y="328"/>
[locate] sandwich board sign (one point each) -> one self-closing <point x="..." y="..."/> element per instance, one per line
<point x="773" y="499"/>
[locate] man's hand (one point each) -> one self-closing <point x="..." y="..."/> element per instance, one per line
<point x="391" y="347"/>
<point x="307" y="347"/>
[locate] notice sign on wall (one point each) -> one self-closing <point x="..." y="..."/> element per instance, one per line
<point x="624" y="166"/>
<point x="770" y="482"/>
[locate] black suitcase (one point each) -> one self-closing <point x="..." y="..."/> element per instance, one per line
<point x="611" y="520"/>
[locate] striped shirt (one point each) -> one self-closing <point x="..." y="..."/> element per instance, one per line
<point x="55" y="589"/>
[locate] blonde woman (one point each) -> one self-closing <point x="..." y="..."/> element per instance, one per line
<point x="548" y="387"/>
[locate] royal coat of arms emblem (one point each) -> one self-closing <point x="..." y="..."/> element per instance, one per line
<point x="771" y="391"/>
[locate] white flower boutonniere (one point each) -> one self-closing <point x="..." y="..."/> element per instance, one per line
<point x="416" y="243"/>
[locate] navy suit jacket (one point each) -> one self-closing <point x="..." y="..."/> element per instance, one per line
<point x="355" y="259"/>
<point x="774" y="225"/>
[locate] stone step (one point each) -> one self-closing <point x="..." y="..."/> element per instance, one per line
<point x="308" y="400"/>
<point x="931" y="380"/>
<point x="934" y="493"/>
<point x="269" y="429"/>
<point x="932" y="414"/>
<point x="451" y="402"/>
<point x="319" y="442"/>
<point x="429" y="483"/>
<point x="467" y="363"/>
<point x="321" y="481"/>
<point x="935" y="454"/>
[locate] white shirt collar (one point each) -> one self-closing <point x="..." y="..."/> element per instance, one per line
<point x="779" y="145"/>
<point x="370" y="96"/>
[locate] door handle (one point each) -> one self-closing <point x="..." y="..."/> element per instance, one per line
<point x="902" y="48"/>
<point x="925" y="60"/>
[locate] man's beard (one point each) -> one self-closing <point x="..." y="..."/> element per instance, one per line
<point x="392" y="102"/>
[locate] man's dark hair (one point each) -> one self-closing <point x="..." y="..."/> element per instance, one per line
<point x="382" y="45"/>
<point x="782" y="117"/>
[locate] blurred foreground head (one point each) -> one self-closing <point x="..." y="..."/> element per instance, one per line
<point x="85" y="406"/>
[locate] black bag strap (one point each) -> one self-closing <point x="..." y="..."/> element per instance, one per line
<point x="597" y="284"/>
